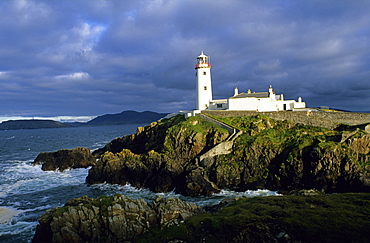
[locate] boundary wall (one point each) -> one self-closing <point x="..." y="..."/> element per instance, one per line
<point x="318" y="118"/>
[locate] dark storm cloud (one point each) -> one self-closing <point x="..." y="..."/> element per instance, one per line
<point x="97" y="57"/>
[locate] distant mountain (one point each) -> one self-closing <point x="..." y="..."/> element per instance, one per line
<point x="126" y="117"/>
<point x="31" y="124"/>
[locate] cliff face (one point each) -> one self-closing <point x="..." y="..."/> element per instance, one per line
<point x="277" y="155"/>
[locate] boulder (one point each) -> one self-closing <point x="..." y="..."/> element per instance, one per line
<point x="64" y="159"/>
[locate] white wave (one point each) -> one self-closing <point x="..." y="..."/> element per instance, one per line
<point x="21" y="177"/>
<point x="248" y="193"/>
<point x="225" y="194"/>
<point x="17" y="227"/>
<point x="133" y="192"/>
<point x="128" y="190"/>
<point x="40" y="208"/>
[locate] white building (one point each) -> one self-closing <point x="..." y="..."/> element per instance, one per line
<point x="249" y="101"/>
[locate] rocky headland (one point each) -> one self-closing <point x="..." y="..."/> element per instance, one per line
<point x="271" y="154"/>
<point x="195" y="156"/>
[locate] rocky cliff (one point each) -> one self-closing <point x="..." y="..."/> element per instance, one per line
<point x="110" y="219"/>
<point x="277" y="155"/>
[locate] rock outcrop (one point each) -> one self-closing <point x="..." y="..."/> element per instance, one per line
<point x="110" y="218"/>
<point x="276" y="155"/>
<point x="64" y="159"/>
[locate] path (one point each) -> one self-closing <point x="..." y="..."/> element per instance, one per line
<point x="223" y="147"/>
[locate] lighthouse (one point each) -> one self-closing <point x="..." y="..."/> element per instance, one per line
<point x="204" y="84"/>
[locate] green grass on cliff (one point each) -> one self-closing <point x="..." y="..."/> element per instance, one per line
<point x="278" y="134"/>
<point x="200" y="125"/>
<point x="324" y="218"/>
<point x="194" y="130"/>
<point x="286" y="135"/>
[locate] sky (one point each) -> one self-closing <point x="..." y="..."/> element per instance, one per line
<point x="61" y="58"/>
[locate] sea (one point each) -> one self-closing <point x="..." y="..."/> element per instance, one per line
<point x="26" y="191"/>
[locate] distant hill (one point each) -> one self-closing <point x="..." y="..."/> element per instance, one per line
<point x="126" y="117"/>
<point x="31" y="124"/>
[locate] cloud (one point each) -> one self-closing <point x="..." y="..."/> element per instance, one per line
<point x="74" y="76"/>
<point x="97" y="57"/>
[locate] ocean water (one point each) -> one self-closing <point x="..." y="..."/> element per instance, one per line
<point x="26" y="191"/>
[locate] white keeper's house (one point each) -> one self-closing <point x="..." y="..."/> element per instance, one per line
<point x="246" y="101"/>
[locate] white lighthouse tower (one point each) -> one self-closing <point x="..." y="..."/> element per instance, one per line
<point x="204" y="84"/>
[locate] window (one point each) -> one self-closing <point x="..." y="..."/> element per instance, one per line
<point x="205" y="87"/>
<point x="204" y="73"/>
<point x="219" y="105"/>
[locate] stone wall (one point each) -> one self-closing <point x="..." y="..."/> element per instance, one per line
<point x="313" y="118"/>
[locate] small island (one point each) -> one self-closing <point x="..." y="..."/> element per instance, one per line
<point x="31" y="124"/>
